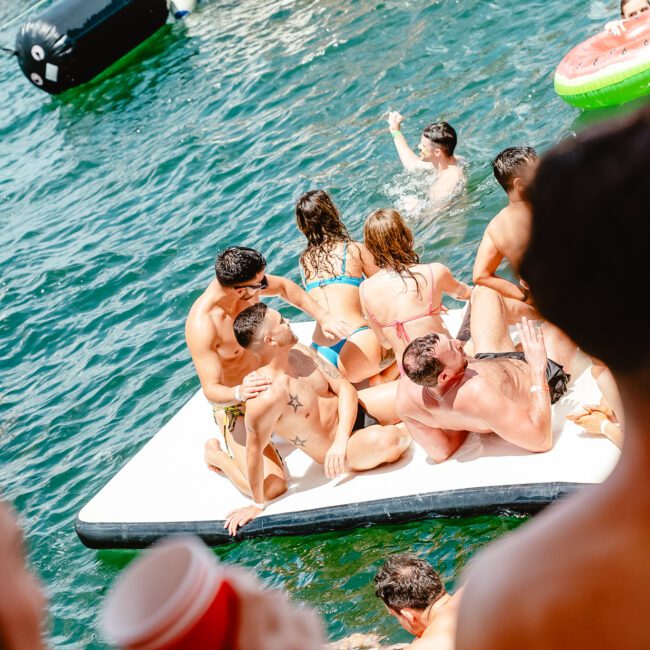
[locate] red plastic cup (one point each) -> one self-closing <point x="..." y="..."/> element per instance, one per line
<point x="173" y="598"/>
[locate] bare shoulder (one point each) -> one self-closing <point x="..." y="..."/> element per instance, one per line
<point x="268" y="400"/>
<point x="200" y="329"/>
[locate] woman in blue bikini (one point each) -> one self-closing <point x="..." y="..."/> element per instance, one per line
<point x="332" y="267"/>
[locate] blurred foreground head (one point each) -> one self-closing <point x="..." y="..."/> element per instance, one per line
<point x="586" y="261"/>
<point x="21" y="600"/>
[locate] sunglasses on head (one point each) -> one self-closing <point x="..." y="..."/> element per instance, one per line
<point x="262" y="285"/>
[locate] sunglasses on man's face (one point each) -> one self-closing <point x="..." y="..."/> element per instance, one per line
<point x="262" y="285"/>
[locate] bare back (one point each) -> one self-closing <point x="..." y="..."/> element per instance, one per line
<point x="340" y="298"/>
<point x="510" y="230"/>
<point x="389" y="298"/>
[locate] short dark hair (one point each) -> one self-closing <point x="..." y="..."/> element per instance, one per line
<point x="248" y="322"/>
<point x="589" y="202"/>
<point x="238" y="265"/>
<point x="419" y="361"/>
<point x="511" y="163"/>
<point x="443" y="134"/>
<point x="406" y="580"/>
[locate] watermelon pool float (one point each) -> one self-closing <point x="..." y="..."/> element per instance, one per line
<point x="607" y="70"/>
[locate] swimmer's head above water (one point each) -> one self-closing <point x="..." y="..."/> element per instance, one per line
<point x="438" y="140"/>
<point x="633" y="8"/>
<point x="435" y="361"/>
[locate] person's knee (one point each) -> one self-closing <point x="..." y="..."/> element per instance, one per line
<point x="481" y="294"/>
<point x="274" y="486"/>
<point x="211" y="447"/>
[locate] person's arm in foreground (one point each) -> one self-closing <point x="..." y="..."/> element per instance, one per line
<point x="531" y="428"/>
<point x="332" y="327"/>
<point x="200" y="341"/>
<point x="409" y="158"/>
<point x="488" y="258"/>
<point x="261" y="418"/>
<point x="347" y="409"/>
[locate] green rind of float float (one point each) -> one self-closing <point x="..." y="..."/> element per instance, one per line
<point x="608" y="90"/>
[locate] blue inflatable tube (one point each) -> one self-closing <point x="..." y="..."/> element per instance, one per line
<point x="74" y="40"/>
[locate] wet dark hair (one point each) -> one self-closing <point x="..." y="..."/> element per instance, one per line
<point x="443" y="134"/>
<point x="419" y="361"/>
<point x="510" y="164"/>
<point x="320" y="222"/>
<point x="238" y="265"/>
<point x="405" y="580"/>
<point x="589" y="203"/>
<point x="248" y="322"/>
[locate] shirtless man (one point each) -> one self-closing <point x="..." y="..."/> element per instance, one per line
<point x="447" y="394"/>
<point x="436" y="147"/>
<point x="577" y="575"/>
<point x="227" y="372"/>
<point x="414" y="594"/>
<point x="507" y="234"/>
<point x="312" y="406"/>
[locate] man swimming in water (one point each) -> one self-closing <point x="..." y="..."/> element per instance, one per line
<point x="228" y="372"/>
<point x="414" y="594"/>
<point x="507" y="234"/>
<point x="447" y="394"/>
<point x="312" y="406"/>
<point x="437" y="146"/>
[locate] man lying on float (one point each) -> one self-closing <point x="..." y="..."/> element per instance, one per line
<point x="447" y="394"/>
<point x="312" y="406"/>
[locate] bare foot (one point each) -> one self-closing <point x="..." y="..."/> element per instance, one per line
<point x="214" y="456"/>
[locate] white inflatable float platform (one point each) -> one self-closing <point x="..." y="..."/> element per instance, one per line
<point x="166" y="488"/>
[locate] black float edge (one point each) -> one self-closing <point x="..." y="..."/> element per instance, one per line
<point x="496" y="499"/>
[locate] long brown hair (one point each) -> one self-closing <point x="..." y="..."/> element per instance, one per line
<point x="390" y="241"/>
<point x="320" y="222"/>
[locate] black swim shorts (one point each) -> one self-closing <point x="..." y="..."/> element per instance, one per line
<point x="556" y="378"/>
<point x="363" y="419"/>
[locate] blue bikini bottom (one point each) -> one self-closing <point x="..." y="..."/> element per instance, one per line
<point x="331" y="352"/>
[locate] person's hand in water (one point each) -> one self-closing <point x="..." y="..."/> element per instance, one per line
<point x="615" y="27"/>
<point x="395" y="120"/>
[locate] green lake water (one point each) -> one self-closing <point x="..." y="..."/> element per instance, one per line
<point x="116" y="197"/>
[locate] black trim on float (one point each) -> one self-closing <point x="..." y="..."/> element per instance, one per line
<point x="526" y="498"/>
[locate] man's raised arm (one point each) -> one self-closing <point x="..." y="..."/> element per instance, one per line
<point x="332" y="327"/>
<point x="410" y="160"/>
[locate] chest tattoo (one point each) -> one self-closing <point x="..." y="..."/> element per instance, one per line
<point x="299" y="442"/>
<point x="294" y="402"/>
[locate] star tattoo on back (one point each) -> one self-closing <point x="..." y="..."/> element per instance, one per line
<point x="294" y="402"/>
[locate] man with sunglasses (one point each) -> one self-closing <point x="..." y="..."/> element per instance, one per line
<point x="227" y="371"/>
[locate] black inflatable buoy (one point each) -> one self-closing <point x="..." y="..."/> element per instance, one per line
<point x="74" y="40"/>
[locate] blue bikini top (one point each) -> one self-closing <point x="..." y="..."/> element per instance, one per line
<point x="336" y="279"/>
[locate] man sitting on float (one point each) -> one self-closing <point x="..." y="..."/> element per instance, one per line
<point x="312" y="406"/>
